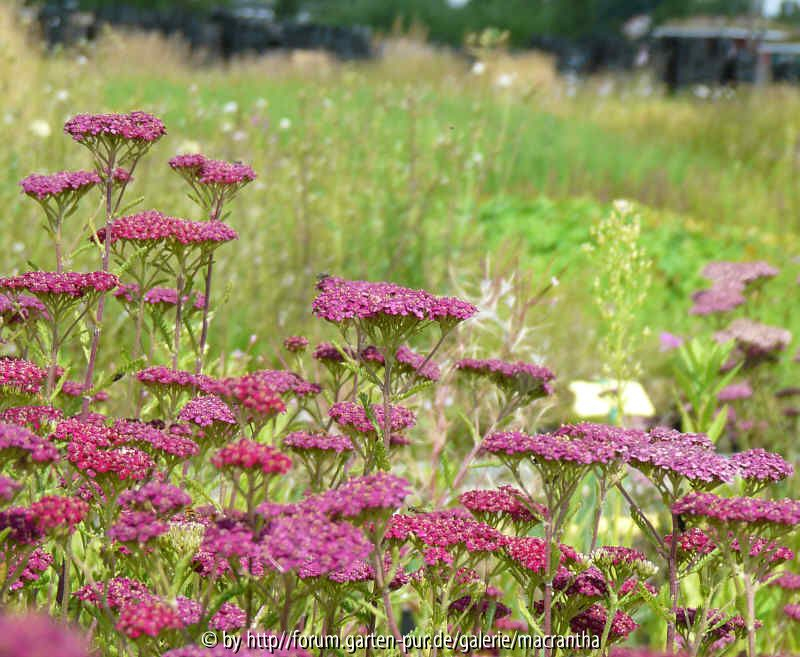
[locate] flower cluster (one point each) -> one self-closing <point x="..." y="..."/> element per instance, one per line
<point x="341" y="301"/>
<point x="69" y="284"/>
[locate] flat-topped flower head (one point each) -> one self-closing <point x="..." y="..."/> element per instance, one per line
<point x="148" y="617"/>
<point x="792" y="611"/>
<point x="171" y="444"/>
<point x="451" y="529"/>
<point x="503" y="505"/>
<point x="8" y="488"/>
<point x="137" y="528"/>
<point x="255" y="397"/>
<point x="719" y="298"/>
<point x="152" y="228"/>
<point x="353" y="418"/>
<point x="754" y="339"/>
<point x="117" y="592"/>
<point x="44" y="284"/>
<point x="593" y="621"/>
<point x="693" y="544"/>
<point x="207" y="411"/>
<point x="134" y="126"/>
<point x="380" y="493"/>
<point x="111" y="466"/>
<point x="115" y="139"/>
<point x="731" y="511"/>
<point x="229" y="617"/>
<point x="167" y="377"/>
<point x="250" y="455"/>
<point x="20" y="376"/>
<point x="281" y="381"/>
<point x="738" y="272"/>
<point x="787" y="581"/>
<point x="530" y="554"/>
<point x="759" y="467"/>
<point x="304" y="442"/>
<point x="666" y="454"/>
<point x="547" y="448"/>
<point x="18" y="444"/>
<point x="386" y="312"/>
<point x="63" y="187"/>
<point x="312" y="545"/>
<point x="526" y="379"/>
<point x="166" y="297"/>
<point x="735" y="391"/>
<point x="19" y="308"/>
<point x="295" y="344"/>
<point x="32" y="567"/>
<point x="35" y="418"/>
<point x="54" y="513"/>
<point x="200" y="170"/>
<point x="38" y="635"/>
<point x="413" y="363"/>
<point x="156" y="497"/>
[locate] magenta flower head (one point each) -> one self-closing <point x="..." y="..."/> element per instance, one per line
<point x="20" y="376"/>
<point x="312" y="545"/>
<point x="52" y="288"/>
<point x="353" y="418"/>
<point x="254" y="396"/>
<point x="20" y="446"/>
<point x="115" y="139"/>
<point x="229" y="617"/>
<point x="668" y="457"/>
<point x="593" y="621"/>
<point x="137" y="528"/>
<point x="155" y="497"/>
<point x="152" y="228"/>
<point x="38" y="419"/>
<point x="148" y="617"/>
<point x="8" y="488"/>
<point x="747" y="512"/>
<point x="760" y="468"/>
<point x="669" y="341"/>
<point x="167" y="297"/>
<point x="386" y="313"/>
<point x="504" y="506"/>
<point x="54" y="514"/>
<point x="116" y="593"/>
<point x="410" y="362"/>
<point x="21" y="308"/>
<point x="529" y="555"/>
<point x="303" y="442"/>
<point x="373" y="496"/>
<point x="213" y="181"/>
<point x="524" y="379"/>
<point x="215" y="422"/>
<point x="720" y="298"/>
<point x="248" y="455"/>
<point x="741" y="273"/>
<point x="38" y="635"/>
<point x="452" y="530"/>
<point x="295" y="344"/>
<point x="755" y="340"/>
<point x="59" y="193"/>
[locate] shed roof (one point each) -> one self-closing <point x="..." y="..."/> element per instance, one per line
<point x="706" y="27"/>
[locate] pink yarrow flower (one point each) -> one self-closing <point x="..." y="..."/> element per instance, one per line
<point x="136" y="126"/>
<point x="42" y="187"/>
<point x="250" y="455"/>
<point x="71" y="284"/>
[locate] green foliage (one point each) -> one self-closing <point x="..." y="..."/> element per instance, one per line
<point x="622" y="280"/>
<point x="697" y="370"/>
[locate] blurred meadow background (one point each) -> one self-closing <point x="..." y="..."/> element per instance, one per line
<point x="471" y="171"/>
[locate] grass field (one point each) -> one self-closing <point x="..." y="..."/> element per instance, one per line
<point x="416" y="169"/>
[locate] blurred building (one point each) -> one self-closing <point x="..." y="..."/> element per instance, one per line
<point x="722" y="51"/>
<point x="232" y="28"/>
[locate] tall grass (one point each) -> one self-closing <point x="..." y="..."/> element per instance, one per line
<point x="386" y="169"/>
